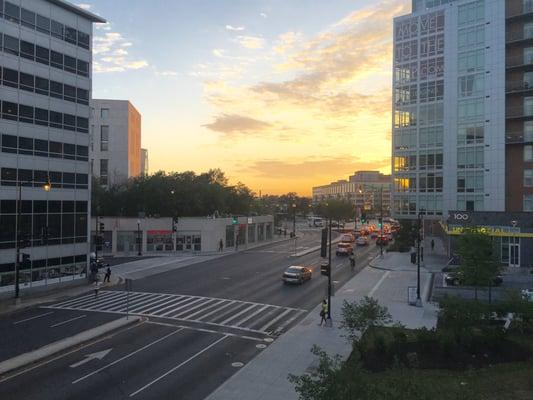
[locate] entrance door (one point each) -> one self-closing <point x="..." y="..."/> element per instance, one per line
<point x="514" y="252"/>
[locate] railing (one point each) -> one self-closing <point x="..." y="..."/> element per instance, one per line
<point x="519" y="112"/>
<point x="516" y="36"/>
<point x="518" y="138"/>
<point x="518" y="86"/>
<point x="518" y="61"/>
<point x="527" y="8"/>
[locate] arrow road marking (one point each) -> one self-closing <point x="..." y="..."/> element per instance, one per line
<point x="93" y="356"/>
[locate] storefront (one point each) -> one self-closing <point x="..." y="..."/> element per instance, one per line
<point x="512" y="234"/>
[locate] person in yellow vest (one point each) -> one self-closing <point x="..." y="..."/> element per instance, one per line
<point x="323" y="312"/>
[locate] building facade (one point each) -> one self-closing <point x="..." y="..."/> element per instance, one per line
<point x="369" y="190"/>
<point x="45" y="60"/>
<point x="144" y="162"/>
<point x="193" y="235"/>
<point x="115" y="151"/>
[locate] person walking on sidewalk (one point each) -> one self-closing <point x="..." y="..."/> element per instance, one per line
<point x="107" y="275"/>
<point x="352" y="262"/>
<point x="432" y="245"/>
<point x="323" y="312"/>
<point x="220" y="245"/>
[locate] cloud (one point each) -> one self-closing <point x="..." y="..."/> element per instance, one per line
<point x="275" y="168"/>
<point x="287" y="41"/>
<point x="234" y="28"/>
<point x="85" y="6"/>
<point x="263" y="15"/>
<point x="251" y="42"/>
<point x="236" y="124"/>
<point x="218" y="52"/>
<point x="111" y="54"/>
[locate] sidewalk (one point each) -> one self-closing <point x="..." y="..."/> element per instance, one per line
<point x="265" y="377"/>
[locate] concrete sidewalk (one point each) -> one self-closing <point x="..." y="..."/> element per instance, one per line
<point x="265" y="377"/>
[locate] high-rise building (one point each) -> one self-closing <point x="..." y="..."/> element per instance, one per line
<point x="115" y="150"/>
<point x="369" y="190"/>
<point x="144" y="162"/>
<point x="45" y="62"/>
<point x="463" y="114"/>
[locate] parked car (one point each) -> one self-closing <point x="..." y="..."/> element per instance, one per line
<point x="347" y="238"/>
<point x="362" y="241"/>
<point x="382" y="240"/>
<point x="344" y="249"/>
<point x="527" y="294"/>
<point x="455" y="279"/>
<point x="297" y="274"/>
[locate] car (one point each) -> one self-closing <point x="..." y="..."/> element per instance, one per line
<point x="297" y="274"/>
<point x="347" y="238"/>
<point x="382" y="240"/>
<point x="374" y="234"/>
<point x="527" y="294"/>
<point x="454" y="278"/>
<point x="357" y="233"/>
<point x="362" y="241"/>
<point x="344" y="249"/>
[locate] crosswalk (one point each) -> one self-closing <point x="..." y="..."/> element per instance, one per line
<point x="243" y="315"/>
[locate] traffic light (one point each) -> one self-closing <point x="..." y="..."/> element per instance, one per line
<point x="363" y="218"/>
<point x="101" y="226"/>
<point x="26" y="262"/>
<point x="324" y="243"/>
<point x="174" y="224"/>
<point x="234" y="220"/>
<point x="380" y="222"/>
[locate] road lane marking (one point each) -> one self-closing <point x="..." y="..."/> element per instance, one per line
<point x="148" y="305"/>
<point x="371" y="293"/>
<point x="193" y="308"/>
<point x="214" y="311"/>
<point x="172" y="303"/>
<point x="246" y="309"/>
<point x="251" y="315"/>
<point x="103" y="295"/>
<point x="180" y="307"/>
<point x="273" y="321"/>
<point x="89" y="357"/>
<point x="67" y="321"/>
<point x="126" y="356"/>
<point x="204" y="309"/>
<point x="179" y="366"/>
<point x="173" y="300"/>
<point x="35" y="317"/>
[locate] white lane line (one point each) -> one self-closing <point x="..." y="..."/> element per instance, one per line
<point x="371" y="293"/>
<point x="98" y="301"/>
<point x="178" y="366"/>
<point x="242" y="321"/>
<point x="262" y="339"/>
<point x="126" y="356"/>
<point x="121" y="305"/>
<point x="193" y="308"/>
<point x="142" y="302"/>
<point x="88" y="298"/>
<point x="214" y="311"/>
<point x="180" y="307"/>
<point x="203" y="310"/>
<point x="160" y="306"/>
<point x="238" y="314"/>
<point x="173" y="303"/>
<point x="273" y="321"/>
<point x="29" y="319"/>
<point x="67" y="321"/>
<point x="117" y="302"/>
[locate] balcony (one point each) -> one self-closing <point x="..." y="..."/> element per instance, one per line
<point x="527" y="10"/>
<point x="517" y="37"/>
<point x="519" y="61"/>
<point x="518" y="86"/>
<point x="519" y="112"/>
<point x="518" y="138"/>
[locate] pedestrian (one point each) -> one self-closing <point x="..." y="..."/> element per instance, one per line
<point x="352" y="261"/>
<point x="285" y="232"/>
<point x="107" y="275"/>
<point x="432" y="245"/>
<point x="323" y="312"/>
<point x="220" y="245"/>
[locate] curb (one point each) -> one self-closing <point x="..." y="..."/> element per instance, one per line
<point x="63" y="344"/>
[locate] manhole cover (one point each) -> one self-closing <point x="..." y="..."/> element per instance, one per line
<point x="237" y="364"/>
<point x="261" y="346"/>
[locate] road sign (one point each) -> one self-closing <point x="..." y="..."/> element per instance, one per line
<point x="93" y="356"/>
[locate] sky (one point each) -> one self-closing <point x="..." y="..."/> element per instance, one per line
<point x="282" y="95"/>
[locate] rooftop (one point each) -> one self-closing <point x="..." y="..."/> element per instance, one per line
<point x="77" y="10"/>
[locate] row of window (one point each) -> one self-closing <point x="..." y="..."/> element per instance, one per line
<point x="43" y="148"/>
<point x="471" y="13"/>
<point x="58" y="179"/>
<point x="424" y="93"/>
<point x="43" y="206"/>
<point x="41" y="116"/>
<point x="470" y="157"/>
<point x="423" y="25"/>
<point x="44" y="86"/>
<point x="470" y="181"/>
<point x="33" y="52"/>
<point x="427" y="138"/>
<point x="48" y="262"/>
<point x="431" y="68"/>
<point x="29" y="19"/>
<point x="429" y="46"/>
<point x="428" y="204"/>
<point x="471" y="37"/>
<point x="426" y="161"/>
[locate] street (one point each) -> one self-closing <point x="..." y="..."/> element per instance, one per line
<point x="199" y="325"/>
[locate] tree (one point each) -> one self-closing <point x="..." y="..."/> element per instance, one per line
<point x="357" y="317"/>
<point x="337" y="209"/>
<point x="478" y="266"/>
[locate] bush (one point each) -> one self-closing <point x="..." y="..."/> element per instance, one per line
<point x="357" y="317"/>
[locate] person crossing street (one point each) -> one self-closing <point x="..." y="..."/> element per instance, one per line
<point x="323" y="312"/>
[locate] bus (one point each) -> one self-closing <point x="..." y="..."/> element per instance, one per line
<point x="315" y="221"/>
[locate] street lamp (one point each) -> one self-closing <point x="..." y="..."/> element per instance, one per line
<point x="47" y="186"/>
<point x="418" y="299"/>
<point x="294" y="219"/>
<point x="139" y="239"/>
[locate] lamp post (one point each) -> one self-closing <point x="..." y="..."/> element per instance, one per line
<point x="328" y="322"/>
<point x="513" y="248"/>
<point x="47" y="186"/>
<point x="294" y="219"/>
<point x="418" y="299"/>
<point x="381" y="221"/>
<point x="139" y="239"/>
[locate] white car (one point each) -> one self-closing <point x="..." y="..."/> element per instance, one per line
<point x="527" y="294"/>
<point x="362" y="241"/>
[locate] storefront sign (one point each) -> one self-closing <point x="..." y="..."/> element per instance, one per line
<point x="459" y="217"/>
<point x="159" y="232"/>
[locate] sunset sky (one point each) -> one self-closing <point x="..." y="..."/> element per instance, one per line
<point x="282" y="95"/>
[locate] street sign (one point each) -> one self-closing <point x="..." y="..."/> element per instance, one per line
<point x="250" y="220"/>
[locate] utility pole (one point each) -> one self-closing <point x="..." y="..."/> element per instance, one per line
<point x="96" y="237"/>
<point x="418" y="299"/>
<point x="328" y="323"/>
<point x="381" y="221"/>
<point x="17" y="243"/>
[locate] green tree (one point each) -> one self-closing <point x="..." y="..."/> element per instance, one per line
<point x="357" y="317"/>
<point x="478" y="266"/>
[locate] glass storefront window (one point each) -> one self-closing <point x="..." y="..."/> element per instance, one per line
<point x="159" y="240"/>
<point x="126" y="241"/>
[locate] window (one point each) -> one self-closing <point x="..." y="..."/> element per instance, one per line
<point x="42" y="55"/>
<point x="27" y="50"/>
<point x="41" y="86"/>
<point x="470" y="157"/>
<point x="528" y="30"/>
<point x="26" y="82"/>
<point x="9" y="110"/>
<point x="9" y="144"/>
<point x="83" y="68"/>
<point x="470" y="134"/>
<point x="406" y="51"/>
<point x="104" y="113"/>
<point x="70" y="64"/>
<point x="56" y="89"/>
<point x="70" y="35"/>
<point x="528" y="177"/>
<point x="57" y="30"/>
<point x="471" y="61"/>
<point x="470" y="182"/>
<point x="528" y="152"/>
<point x="431" y="114"/>
<point x="69" y="93"/>
<point x="82" y="96"/>
<point x="56" y="59"/>
<point x="11" y="45"/>
<point x="432" y="45"/>
<point x="26" y="114"/>
<point x="103" y="167"/>
<point x="471" y="13"/>
<point x="43" y="24"/>
<point x="56" y="119"/>
<point x="41" y="116"/>
<point x="104" y="138"/>
<point x="471" y="37"/>
<point x="528" y="131"/>
<point x="471" y="109"/>
<point x="83" y="40"/>
<point x="431" y="137"/>
<point x="10" y="77"/>
<point x="69" y="151"/>
<point x="432" y="68"/>
<point x="431" y="91"/>
<point x="471" y="85"/>
<point x="28" y="18"/>
<point x="528" y="106"/>
<point x="528" y="202"/>
<point x="69" y="122"/>
<point x="11" y="12"/>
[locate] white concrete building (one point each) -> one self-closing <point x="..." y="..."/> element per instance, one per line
<point x="45" y="60"/>
<point x="115" y="151"/>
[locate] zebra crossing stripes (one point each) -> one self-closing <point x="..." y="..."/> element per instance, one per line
<point x="243" y="315"/>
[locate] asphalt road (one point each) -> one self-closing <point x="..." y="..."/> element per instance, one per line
<point x="200" y="325"/>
